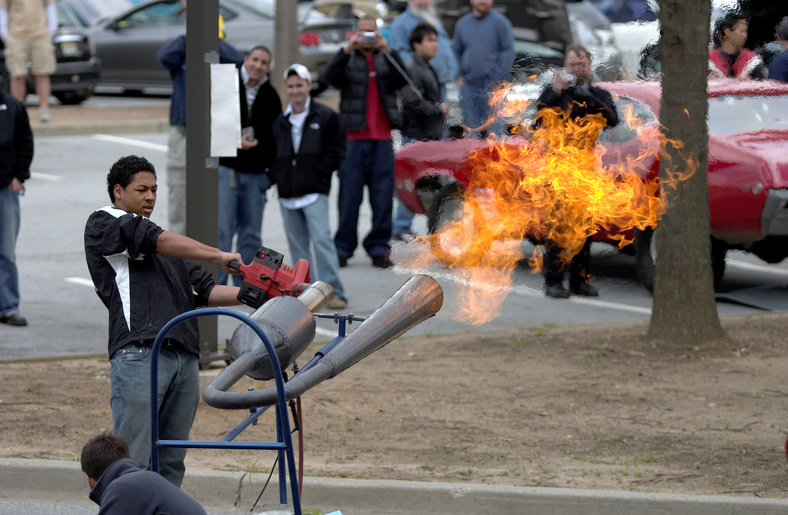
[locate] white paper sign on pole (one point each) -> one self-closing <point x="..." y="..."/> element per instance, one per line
<point x="225" y="111"/>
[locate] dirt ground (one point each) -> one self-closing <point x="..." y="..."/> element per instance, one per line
<point x="578" y="407"/>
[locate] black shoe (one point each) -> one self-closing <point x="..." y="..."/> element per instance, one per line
<point x="585" y="290"/>
<point x="556" y="291"/>
<point x="15" y="319"/>
<point x="342" y="262"/>
<point x="382" y="261"/>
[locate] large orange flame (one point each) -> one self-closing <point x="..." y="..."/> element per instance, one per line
<point x="556" y="183"/>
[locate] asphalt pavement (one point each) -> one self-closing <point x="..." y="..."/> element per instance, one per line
<point x="66" y="320"/>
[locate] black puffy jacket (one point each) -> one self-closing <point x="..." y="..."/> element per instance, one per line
<point x="349" y="73"/>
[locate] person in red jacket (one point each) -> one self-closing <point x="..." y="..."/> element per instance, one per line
<point x="729" y="58"/>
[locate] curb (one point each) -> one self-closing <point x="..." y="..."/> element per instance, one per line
<point x="64" y="483"/>
<point x="116" y="127"/>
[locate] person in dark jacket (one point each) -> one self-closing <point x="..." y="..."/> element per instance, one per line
<point x="729" y="58"/>
<point x="368" y="75"/>
<point x="172" y="57"/>
<point x="141" y="275"/>
<point x="778" y="67"/>
<point x="573" y="101"/>
<point x="310" y="145"/>
<point x="243" y="180"/>
<point x="16" y="154"/>
<point x="119" y="486"/>
<point x="423" y="113"/>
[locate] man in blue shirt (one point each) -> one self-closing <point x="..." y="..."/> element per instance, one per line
<point x="484" y="45"/>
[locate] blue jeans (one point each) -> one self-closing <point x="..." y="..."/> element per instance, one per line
<point x="241" y="204"/>
<point x="9" y="230"/>
<point x="311" y="223"/>
<point x="178" y="397"/>
<point x="475" y="105"/>
<point x="369" y="163"/>
<point x="403" y="217"/>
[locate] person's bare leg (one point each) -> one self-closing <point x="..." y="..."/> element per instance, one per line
<point x="43" y="90"/>
<point x="19" y="87"/>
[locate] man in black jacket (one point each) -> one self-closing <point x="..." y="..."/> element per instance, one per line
<point x="243" y="180"/>
<point x="16" y="154"/>
<point x="141" y="275"/>
<point x="368" y="81"/>
<point x="423" y="113"/>
<point x="573" y="103"/>
<point x="310" y="145"/>
<point x="119" y="487"/>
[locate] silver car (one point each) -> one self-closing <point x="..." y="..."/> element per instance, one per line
<point x="127" y="42"/>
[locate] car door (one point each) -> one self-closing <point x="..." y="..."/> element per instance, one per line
<point x="127" y="44"/>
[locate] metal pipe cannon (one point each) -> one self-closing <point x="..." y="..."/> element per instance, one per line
<point x="286" y="323"/>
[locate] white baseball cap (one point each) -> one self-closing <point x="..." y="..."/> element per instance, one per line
<point x="300" y="70"/>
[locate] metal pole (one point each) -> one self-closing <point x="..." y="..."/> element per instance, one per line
<point x="285" y="42"/>
<point x="202" y="49"/>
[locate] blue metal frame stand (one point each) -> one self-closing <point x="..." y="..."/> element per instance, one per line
<point x="284" y="442"/>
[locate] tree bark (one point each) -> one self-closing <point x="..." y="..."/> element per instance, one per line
<point x="685" y="310"/>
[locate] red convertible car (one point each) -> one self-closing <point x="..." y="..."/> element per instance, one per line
<point x="748" y="170"/>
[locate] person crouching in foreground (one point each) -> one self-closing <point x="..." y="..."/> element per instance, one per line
<point x="119" y="486"/>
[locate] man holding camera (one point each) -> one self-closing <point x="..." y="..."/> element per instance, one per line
<point x="368" y="75"/>
<point x="573" y="98"/>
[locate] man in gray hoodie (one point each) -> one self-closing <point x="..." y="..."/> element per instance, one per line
<point x="119" y="486"/>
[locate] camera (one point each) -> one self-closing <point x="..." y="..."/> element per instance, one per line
<point x="368" y="37"/>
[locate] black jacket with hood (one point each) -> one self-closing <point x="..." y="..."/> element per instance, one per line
<point x="16" y="140"/>
<point x="124" y="488"/>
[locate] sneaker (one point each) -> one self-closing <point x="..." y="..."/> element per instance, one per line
<point x="382" y="261"/>
<point x="556" y="291"/>
<point x="15" y="319"/>
<point x="405" y="237"/>
<point x="584" y="290"/>
<point x="337" y="303"/>
<point x="342" y="262"/>
<point x="44" y="114"/>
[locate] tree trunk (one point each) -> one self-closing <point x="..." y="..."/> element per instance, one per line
<point x="685" y="310"/>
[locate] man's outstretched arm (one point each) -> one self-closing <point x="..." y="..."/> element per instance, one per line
<point x="177" y="246"/>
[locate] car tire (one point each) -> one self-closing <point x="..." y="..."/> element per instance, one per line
<point x="448" y="208"/>
<point x="646" y="253"/>
<point x="71" y="98"/>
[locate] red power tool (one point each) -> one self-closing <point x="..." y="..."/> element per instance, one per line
<point x="266" y="277"/>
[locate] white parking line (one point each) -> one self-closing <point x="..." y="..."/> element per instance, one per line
<point x="756" y="268"/>
<point x="519" y="289"/>
<point x="80" y="281"/>
<point x="131" y="142"/>
<point x="47" y="177"/>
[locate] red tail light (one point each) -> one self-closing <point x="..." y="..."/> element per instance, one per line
<point x="309" y="39"/>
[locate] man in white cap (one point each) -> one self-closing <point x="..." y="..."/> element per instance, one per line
<point x="310" y="145"/>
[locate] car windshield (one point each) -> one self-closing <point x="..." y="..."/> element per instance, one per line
<point x="731" y="114"/>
